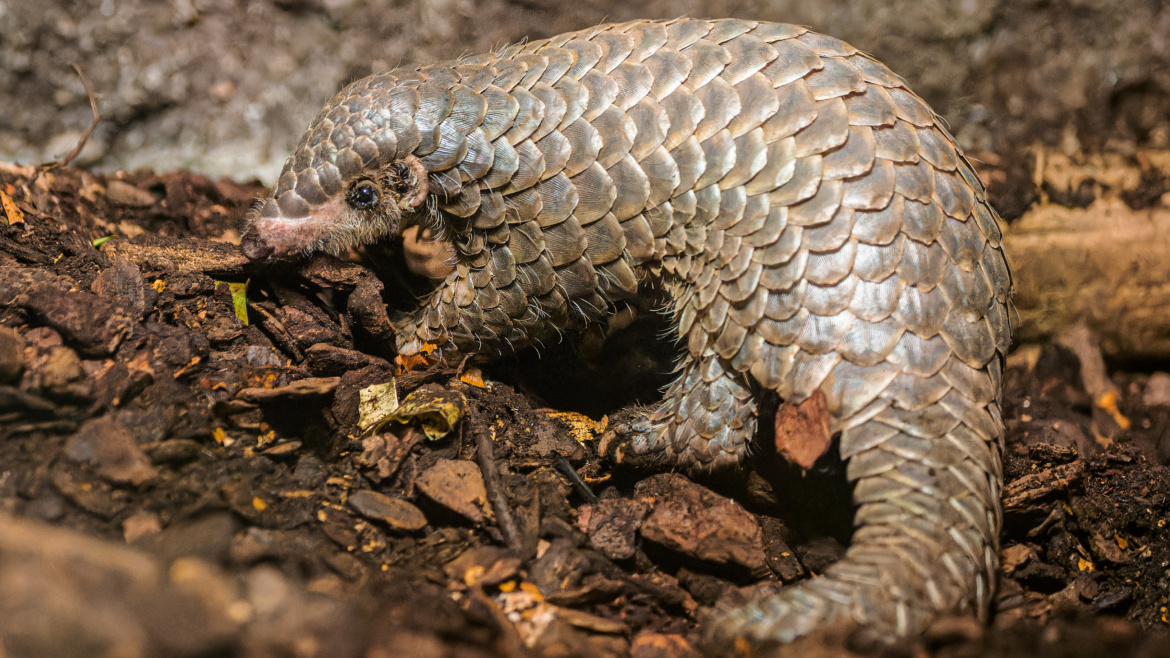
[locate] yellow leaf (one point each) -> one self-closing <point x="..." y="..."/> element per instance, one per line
<point x="473" y="377"/>
<point x="375" y="404"/>
<point x="582" y="427"/>
<point x="259" y="504"/>
<point x="436" y="410"/>
<point x="1084" y="565"/>
<point x="1121" y="542"/>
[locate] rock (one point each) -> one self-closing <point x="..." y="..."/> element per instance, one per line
<point x="110" y="449"/>
<point x="394" y="512"/>
<point x="457" y="485"/>
<point x="693" y="520"/>
<point x="612" y="525"/>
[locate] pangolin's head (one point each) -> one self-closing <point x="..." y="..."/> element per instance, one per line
<point x="349" y="182"/>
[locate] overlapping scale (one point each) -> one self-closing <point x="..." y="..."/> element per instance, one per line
<point x="814" y="217"/>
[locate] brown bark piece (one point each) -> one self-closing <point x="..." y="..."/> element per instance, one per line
<point x="695" y="521"/>
<point x="1024" y="491"/>
<point x="802" y="430"/>
<point x="457" y="485"/>
<point x="394" y="512"/>
<point x="612" y="526"/>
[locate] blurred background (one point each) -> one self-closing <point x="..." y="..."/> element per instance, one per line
<point x="225" y="87"/>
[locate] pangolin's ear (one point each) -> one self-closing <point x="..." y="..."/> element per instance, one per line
<point x="407" y="179"/>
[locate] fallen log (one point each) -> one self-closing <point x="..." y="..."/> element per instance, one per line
<point x="1105" y="265"/>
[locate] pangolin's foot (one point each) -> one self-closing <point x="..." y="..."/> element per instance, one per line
<point x="704" y="423"/>
<point x="634" y="439"/>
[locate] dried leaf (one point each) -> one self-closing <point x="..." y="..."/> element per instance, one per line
<point x="802" y="430"/>
<point x="436" y="410"/>
<point x="424" y="358"/>
<point x="375" y="404"/>
<point x="473" y="377"/>
<point x="409" y="362"/>
<point x="582" y="427"/>
<point x="457" y="484"/>
<point x="14" y="214"/>
<point x="395" y="512"/>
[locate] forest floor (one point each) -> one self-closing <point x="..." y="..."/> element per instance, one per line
<point x="190" y="466"/>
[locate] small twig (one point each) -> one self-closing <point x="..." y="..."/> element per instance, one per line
<point x="576" y="480"/>
<point x="485" y="457"/>
<point x="92" y="124"/>
<point x="462" y="365"/>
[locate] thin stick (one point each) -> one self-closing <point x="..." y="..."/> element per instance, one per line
<point x="485" y="456"/>
<point x="92" y="124"/>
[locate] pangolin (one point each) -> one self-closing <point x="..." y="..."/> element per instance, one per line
<point x="812" y="219"/>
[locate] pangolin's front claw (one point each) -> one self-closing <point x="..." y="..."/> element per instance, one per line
<point x="632" y="438"/>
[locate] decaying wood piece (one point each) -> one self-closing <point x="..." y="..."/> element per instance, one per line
<point x="1105" y="265"/>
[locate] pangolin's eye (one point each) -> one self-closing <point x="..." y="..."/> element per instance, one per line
<point x="363" y="195"/>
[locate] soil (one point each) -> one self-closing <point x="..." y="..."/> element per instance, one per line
<point x="145" y="422"/>
<point x="185" y="469"/>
